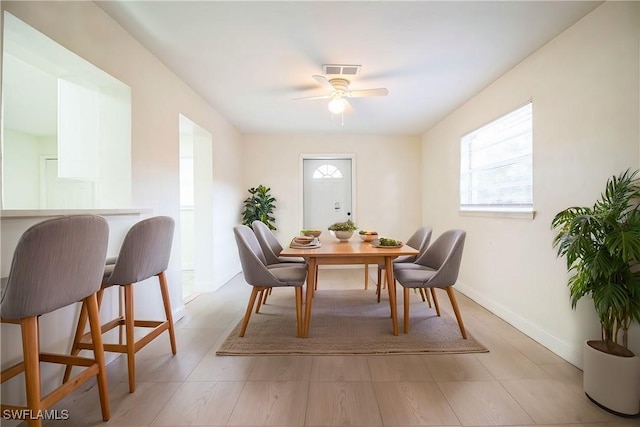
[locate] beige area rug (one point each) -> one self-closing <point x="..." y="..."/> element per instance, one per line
<point x="347" y="322"/>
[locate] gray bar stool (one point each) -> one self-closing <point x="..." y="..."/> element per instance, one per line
<point x="144" y="253"/>
<point x="56" y="263"/>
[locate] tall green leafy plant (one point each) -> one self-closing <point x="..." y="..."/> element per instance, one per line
<point x="259" y="206"/>
<point x="601" y="245"/>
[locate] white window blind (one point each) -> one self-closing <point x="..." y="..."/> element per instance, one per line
<point x="496" y="170"/>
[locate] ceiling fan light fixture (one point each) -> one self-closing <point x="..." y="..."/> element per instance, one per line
<point x="336" y="105"/>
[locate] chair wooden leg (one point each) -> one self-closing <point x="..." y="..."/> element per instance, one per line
<point x="247" y="314"/>
<point x="435" y="301"/>
<point x="407" y="302"/>
<point x="31" y="351"/>
<point x="299" y="311"/>
<point x="166" y="301"/>
<point x="267" y="292"/>
<point x="129" y="334"/>
<point x="91" y="308"/>
<point x="260" y="297"/>
<point x="425" y="296"/>
<point x="456" y="310"/>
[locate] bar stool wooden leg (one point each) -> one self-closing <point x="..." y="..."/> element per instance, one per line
<point x="31" y="349"/>
<point x="82" y="321"/>
<point x="166" y="301"/>
<point x="129" y="333"/>
<point x="80" y="327"/>
<point x="93" y="314"/>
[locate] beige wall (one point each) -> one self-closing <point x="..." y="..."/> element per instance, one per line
<point x="585" y="90"/>
<point x="387" y="177"/>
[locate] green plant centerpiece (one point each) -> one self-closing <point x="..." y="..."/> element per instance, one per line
<point x="343" y="231"/>
<point x="601" y="245"/>
<point x="343" y="226"/>
<point x="259" y="206"/>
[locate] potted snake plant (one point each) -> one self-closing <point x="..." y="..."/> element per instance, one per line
<point x="601" y="245"/>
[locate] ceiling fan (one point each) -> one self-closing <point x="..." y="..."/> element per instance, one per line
<point x="339" y="92"/>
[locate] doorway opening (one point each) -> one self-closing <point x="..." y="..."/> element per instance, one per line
<point x="196" y="209"/>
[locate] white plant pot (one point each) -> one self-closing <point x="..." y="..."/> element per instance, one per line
<point x="612" y="382"/>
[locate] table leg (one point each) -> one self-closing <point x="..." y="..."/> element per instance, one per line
<point x="366" y="277"/>
<point x="391" y="286"/>
<point x="311" y="284"/>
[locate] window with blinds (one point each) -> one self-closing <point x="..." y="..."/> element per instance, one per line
<point x="496" y="172"/>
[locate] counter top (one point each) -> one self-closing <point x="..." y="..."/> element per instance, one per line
<point x="35" y="213"/>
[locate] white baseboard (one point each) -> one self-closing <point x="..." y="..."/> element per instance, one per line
<point x="178" y="313"/>
<point x="561" y="348"/>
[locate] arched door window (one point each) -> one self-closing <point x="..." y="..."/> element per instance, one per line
<point x="327" y="171"/>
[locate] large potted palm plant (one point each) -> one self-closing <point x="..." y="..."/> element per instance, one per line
<point x="601" y="245"/>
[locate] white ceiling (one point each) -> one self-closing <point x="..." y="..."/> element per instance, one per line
<point x="250" y="59"/>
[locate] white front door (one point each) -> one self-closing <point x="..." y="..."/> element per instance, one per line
<point x="327" y="192"/>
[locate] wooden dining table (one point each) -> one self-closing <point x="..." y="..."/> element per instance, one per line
<point x="334" y="252"/>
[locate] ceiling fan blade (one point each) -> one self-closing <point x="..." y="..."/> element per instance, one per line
<point x="313" y="97"/>
<point x="323" y="82"/>
<point x="348" y="107"/>
<point x="367" y="92"/>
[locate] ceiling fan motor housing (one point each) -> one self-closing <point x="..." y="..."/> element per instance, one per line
<point x="340" y="85"/>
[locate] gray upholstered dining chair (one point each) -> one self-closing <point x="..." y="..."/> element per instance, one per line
<point x="270" y="245"/>
<point x="271" y="249"/>
<point x="438" y="267"/>
<point x="145" y="253"/>
<point x="419" y="240"/>
<point x="262" y="276"/>
<point x="56" y="263"/>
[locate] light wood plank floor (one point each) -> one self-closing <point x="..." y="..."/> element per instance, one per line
<point x="518" y="383"/>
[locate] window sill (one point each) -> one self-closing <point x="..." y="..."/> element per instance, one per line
<point x="499" y="213"/>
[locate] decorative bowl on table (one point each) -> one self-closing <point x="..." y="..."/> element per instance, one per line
<point x="343" y="236"/>
<point x="368" y="235"/>
<point x="343" y="231"/>
<point x="312" y="233"/>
